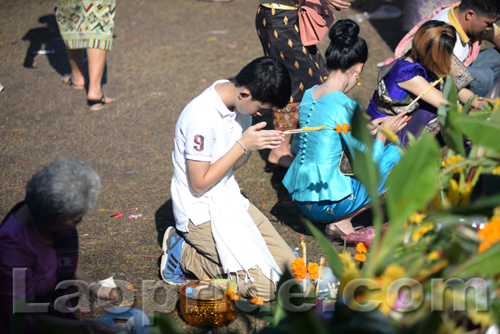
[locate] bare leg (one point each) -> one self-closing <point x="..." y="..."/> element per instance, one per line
<point x="343" y="227"/>
<point x="282" y="155"/>
<point x="96" y="60"/>
<point x="75" y="58"/>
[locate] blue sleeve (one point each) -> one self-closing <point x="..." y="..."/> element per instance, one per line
<point x="353" y="143"/>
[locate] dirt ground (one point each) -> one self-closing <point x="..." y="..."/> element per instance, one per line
<point x="165" y="53"/>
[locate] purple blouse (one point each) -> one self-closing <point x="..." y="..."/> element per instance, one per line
<point x="22" y="248"/>
<point x="402" y="71"/>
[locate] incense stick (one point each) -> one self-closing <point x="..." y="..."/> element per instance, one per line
<point x="423" y="93"/>
<point x="305" y="129"/>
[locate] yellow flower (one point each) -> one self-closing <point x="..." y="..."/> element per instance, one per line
<point x="349" y="273"/>
<point x="453" y="194"/>
<point x="417" y="217"/>
<point x="313" y="270"/>
<point x="496" y="170"/>
<point x="390" y="274"/>
<point x="496" y="212"/>
<point x="465" y="195"/>
<point x="390" y="135"/>
<point x="361" y="248"/>
<point x="421" y="230"/>
<point x="449" y="327"/>
<point x="497" y="104"/>
<point x="453" y="160"/>
<point x="434" y="255"/>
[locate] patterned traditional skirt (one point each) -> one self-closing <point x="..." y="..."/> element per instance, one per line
<point x="278" y="32"/>
<point x="86" y="24"/>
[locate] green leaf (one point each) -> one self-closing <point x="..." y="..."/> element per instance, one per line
<point x="485" y="264"/>
<point x="480" y="114"/>
<point x="468" y="105"/>
<point x="366" y="170"/>
<point x="446" y="113"/>
<point x="161" y="323"/>
<point x="480" y="132"/>
<point x="412" y="182"/>
<point x="326" y="245"/>
<point x="495" y="115"/>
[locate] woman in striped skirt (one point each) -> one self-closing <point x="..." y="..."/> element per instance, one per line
<point x="278" y="29"/>
<point x="87" y="25"/>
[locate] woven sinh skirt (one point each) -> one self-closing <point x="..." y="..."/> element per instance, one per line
<point x="86" y="24"/>
<point x="279" y="35"/>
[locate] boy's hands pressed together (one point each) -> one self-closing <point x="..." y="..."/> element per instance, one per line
<point x="254" y="138"/>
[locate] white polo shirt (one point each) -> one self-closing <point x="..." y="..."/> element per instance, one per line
<point x="205" y="131"/>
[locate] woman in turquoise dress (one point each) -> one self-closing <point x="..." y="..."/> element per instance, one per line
<point x="314" y="181"/>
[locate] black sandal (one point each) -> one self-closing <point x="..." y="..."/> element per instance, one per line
<point x="99" y="103"/>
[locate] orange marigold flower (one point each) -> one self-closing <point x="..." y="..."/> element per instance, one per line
<point x="361" y="248"/>
<point x="483" y="246"/>
<point x="313" y="270"/>
<point x="299" y="268"/>
<point x="341" y="255"/>
<point x="257" y="300"/>
<point x="491" y="232"/>
<point x="360" y="257"/>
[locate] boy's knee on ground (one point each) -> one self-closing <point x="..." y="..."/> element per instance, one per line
<point x="262" y="288"/>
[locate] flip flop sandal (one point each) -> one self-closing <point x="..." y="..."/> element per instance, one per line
<point x="99" y="103"/>
<point x="70" y="83"/>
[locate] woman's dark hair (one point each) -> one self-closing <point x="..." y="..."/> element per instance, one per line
<point x="267" y="79"/>
<point x="432" y="46"/>
<point x="346" y="48"/>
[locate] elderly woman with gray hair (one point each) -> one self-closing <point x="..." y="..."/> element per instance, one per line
<point x="39" y="250"/>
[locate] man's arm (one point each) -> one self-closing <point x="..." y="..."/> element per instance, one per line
<point x="202" y="175"/>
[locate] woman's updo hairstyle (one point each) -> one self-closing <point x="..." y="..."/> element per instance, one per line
<point x="346" y="48"/>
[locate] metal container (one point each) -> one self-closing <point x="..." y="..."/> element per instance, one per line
<point x="207" y="304"/>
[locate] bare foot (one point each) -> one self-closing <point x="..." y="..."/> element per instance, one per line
<point x="339" y="229"/>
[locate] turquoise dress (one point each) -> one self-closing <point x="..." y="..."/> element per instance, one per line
<point x="313" y="180"/>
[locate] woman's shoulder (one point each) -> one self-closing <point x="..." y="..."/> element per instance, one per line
<point x="405" y="70"/>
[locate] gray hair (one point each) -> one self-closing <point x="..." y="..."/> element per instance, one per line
<point x="62" y="188"/>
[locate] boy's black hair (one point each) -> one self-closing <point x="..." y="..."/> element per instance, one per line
<point x="487" y="8"/>
<point x="267" y="79"/>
